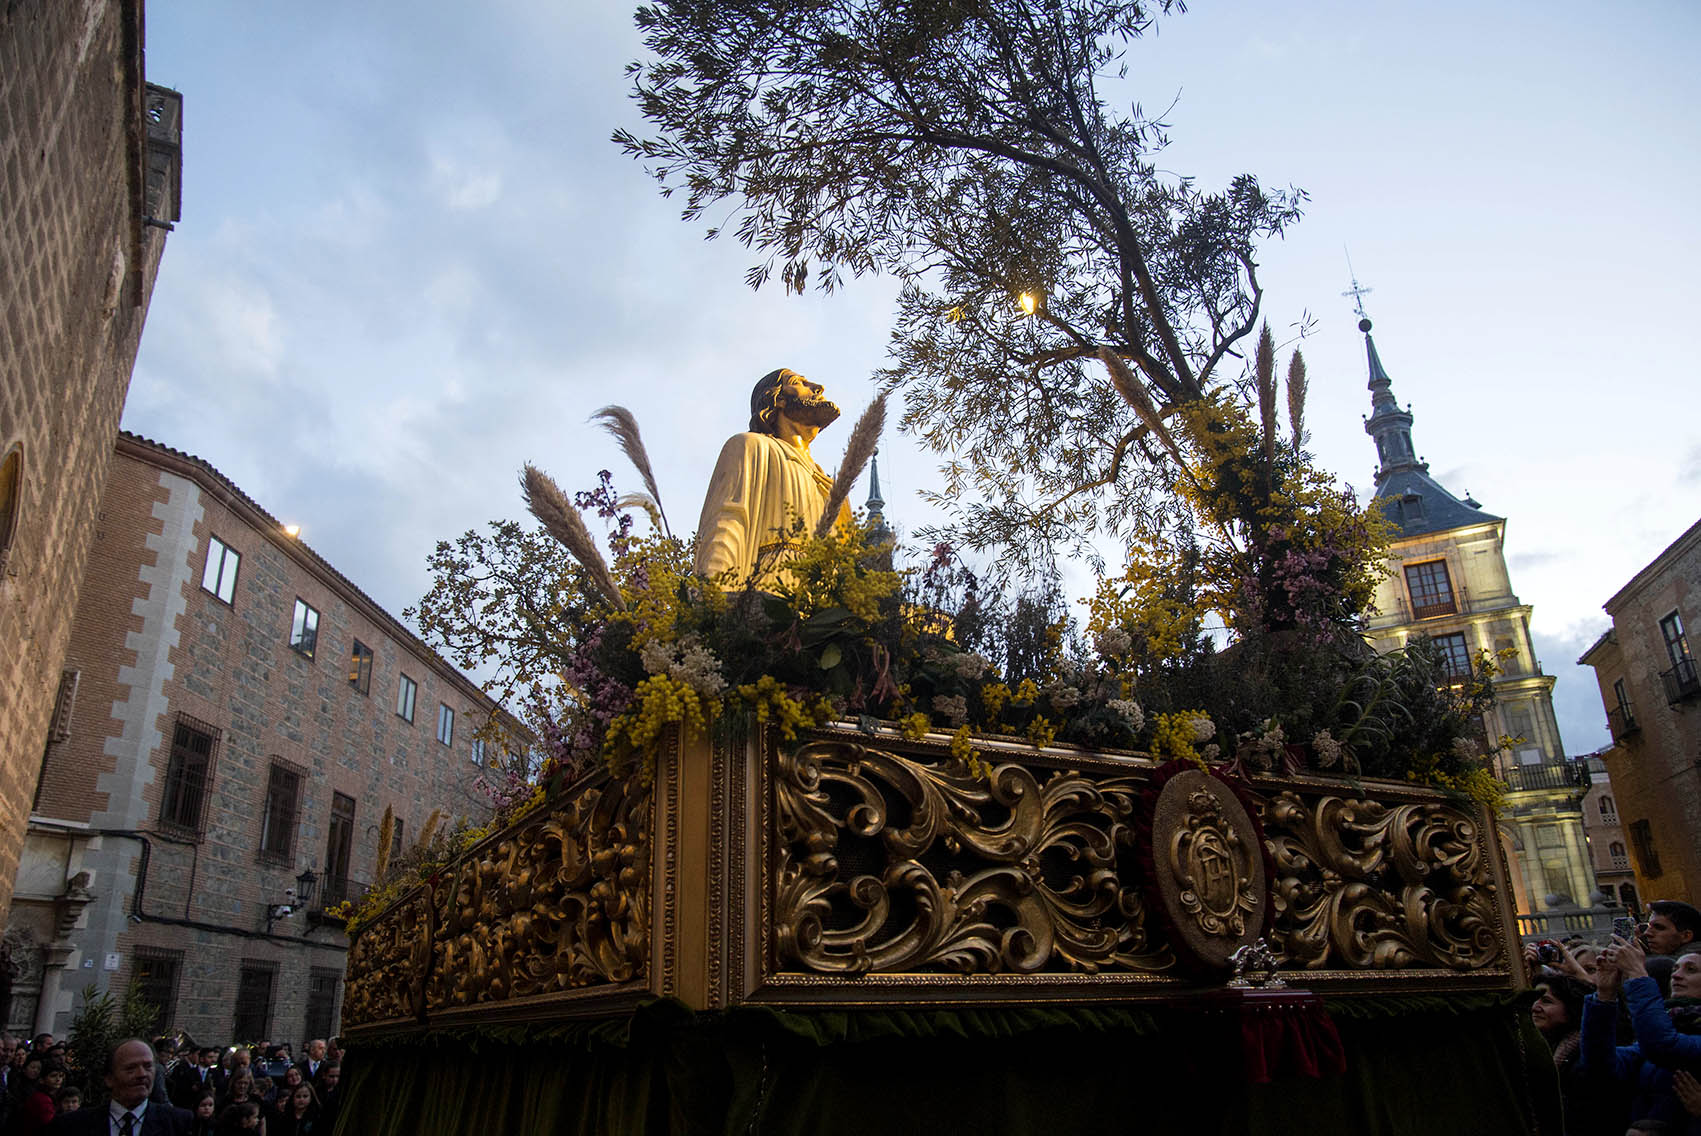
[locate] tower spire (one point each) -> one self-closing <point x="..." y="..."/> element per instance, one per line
<point x="876" y="504"/>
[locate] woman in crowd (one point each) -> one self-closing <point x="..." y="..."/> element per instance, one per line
<point x="1592" y="1107"/>
<point x="1668" y="1034"/>
<point x="297" y="1114"/>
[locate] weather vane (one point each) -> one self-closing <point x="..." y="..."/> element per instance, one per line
<point x="1357" y="293"/>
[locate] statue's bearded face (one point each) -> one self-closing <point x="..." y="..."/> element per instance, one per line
<point x="804" y="402"/>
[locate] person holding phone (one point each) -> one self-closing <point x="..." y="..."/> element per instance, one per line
<point x="1668" y="1034"/>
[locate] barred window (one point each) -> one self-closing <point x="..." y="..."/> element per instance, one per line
<point x="278" y="814"/>
<point x="189" y="775"/>
<point x="156" y="974"/>
<point x="254" y="985"/>
<point x="321" y="1002"/>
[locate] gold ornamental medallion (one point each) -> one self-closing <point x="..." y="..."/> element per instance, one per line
<point x="1208" y="869"/>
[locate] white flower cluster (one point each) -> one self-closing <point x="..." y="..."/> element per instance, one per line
<point x="1465" y="749"/>
<point x="1129" y="711"/>
<point x="1062" y="695"/>
<point x="1203" y="729"/>
<point x="1262" y="747"/>
<point x="971" y="666"/>
<point x="952" y="706"/>
<point x="1113" y="642"/>
<point x="687" y="661"/>
<point x="1329" y="751"/>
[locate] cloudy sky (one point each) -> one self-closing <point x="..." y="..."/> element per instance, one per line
<point x="410" y="259"/>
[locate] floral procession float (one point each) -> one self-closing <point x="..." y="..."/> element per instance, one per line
<point x="841" y="845"/>
<point x="828" y="834"/>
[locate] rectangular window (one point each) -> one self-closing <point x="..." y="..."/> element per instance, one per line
<point x="406" y="690"/>
<point x="478" y="752"/>
<point x="304" y="629"/>
<point x="445" y="724"/>
<point x="219" y="575"/>
<point x="360" y="667"/>
<point x="1431" y="589"/>
<point x="156" y="973"/>
<point x="189" y="775"/>
<point x="1455" y="655"/>
<point x="339" y="845"/>
<point x="1642" y="840"/>
<point x="277" y="817"/>
<point x="254" y="984"/>
<point x="321" y="1002"/>
<point x="1677" y="643"/>
<point x="1620" y="695"/>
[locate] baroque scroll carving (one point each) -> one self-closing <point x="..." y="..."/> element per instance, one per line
<point x="1366" y="886"/>
<point x="387" y="965"/>
<point x="559" y="902"/>
<point x="889" y="864"/>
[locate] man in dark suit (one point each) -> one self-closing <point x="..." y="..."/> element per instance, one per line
<point x="193" y="1075"/>
<point x="129" y="1079"/>
<point x="314" y="1060"/>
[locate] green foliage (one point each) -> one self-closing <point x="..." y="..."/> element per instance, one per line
<point x="968" y="150"/>
<point x="100" y="1022"/>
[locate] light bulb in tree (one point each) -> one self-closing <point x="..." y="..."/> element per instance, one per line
<point x="1028" y="303"/>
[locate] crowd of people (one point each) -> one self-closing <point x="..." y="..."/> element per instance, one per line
<point x="198" y="1091"/>
<point x="1624" y="1024"/>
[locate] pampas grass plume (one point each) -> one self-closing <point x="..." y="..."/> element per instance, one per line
<point x="865" y="436"/>
<point x="1296" y="398"/>
<point x="563" y="522"/>
<point x="620" y="422"/>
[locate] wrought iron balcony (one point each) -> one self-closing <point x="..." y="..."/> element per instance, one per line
<point x="1444" y="606"/>
<point x="1562" y="775"/>
<point x="1682" y="681"/>
<point x="1622" y="722"/>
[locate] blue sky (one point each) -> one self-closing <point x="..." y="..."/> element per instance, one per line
<point x="410" y="259"/>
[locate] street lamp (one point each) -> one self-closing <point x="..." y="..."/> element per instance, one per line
<point x="296" y="897"/>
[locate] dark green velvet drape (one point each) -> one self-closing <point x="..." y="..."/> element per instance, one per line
<point x="1451" y="1066"/>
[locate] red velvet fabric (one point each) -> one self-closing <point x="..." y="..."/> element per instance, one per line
<point x="1284" y="1034"/>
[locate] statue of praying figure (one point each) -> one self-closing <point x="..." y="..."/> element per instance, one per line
<point x="765" y="483"/>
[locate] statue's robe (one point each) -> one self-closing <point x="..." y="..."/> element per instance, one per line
<point x="760" y="488"/>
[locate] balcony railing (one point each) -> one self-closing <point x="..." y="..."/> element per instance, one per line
<point x="1565" y="775"/>
<point x="1431" y="610"/>
<point x="1682" y="681"/>
<point x="1622" y="722"/>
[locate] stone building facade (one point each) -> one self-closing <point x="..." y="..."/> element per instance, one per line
<point x="244" y="716"/>
<point x="1651" y="688"/>
<point x="88" y="187"/>
<point x="1448" y="580"/>
<point x="1608" y="846"/>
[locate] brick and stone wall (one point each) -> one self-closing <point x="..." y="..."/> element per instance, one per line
<point x="152" y="644"/>
<point x="76" y="270"/>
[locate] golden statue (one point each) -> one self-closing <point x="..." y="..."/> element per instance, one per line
<point x="766" y="488"/>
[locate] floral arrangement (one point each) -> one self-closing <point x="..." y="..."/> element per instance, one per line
<point x="603" y="656"/>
